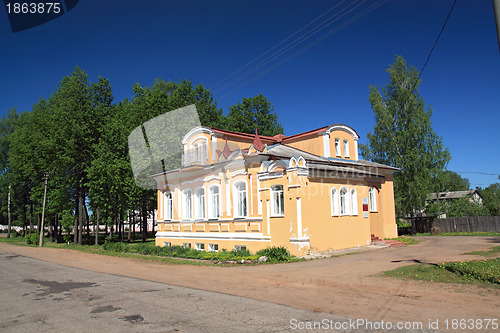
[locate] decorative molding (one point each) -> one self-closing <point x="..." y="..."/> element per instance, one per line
<point x="212" y="236"/>
<point x="195" y="131"/>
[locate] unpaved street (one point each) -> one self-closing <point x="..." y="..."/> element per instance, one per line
<point x="345" y="286"/>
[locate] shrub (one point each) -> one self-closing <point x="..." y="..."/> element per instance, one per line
<point x="33" y="238"/>
<point x="115" y="247"/>
<point x="275" y="254"/>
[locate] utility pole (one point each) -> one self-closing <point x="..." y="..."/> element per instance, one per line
<point x="8" y="213"/>
<point x="496" y="11"/>
<point x="43" y="209"/>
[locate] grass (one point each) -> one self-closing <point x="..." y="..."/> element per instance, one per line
<point x="177" y="255"/>
<point x="485" y="271"/>
<point x="493" y="252"/>
<point x="406" y="240"/>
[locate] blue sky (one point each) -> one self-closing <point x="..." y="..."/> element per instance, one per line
<point x="131" y="41"/>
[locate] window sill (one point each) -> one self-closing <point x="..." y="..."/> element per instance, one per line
<point x="277" y="215"/>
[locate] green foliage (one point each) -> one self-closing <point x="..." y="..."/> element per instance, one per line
<point x="450" y="181"/>
<point x="484" y="270"/>
<point x="254" y="113"/>
<point x="276" y="254"/>
<point x="491" y="198"/>
<point x="33" y="238"/>
<point x="457" y="208"/>
<point x="403" y="138"/>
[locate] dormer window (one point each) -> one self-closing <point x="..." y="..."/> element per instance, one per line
<point x="346" y="148"/>
<point x="337" y="147"/>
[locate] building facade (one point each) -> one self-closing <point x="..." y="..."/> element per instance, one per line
<point x="308" y="192"/>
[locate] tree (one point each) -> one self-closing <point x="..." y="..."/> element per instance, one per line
<point x="450" y="181"/>
<point x="403" y="138"/>
<point x="254" y="113"/>
<point x="491" y="198"/>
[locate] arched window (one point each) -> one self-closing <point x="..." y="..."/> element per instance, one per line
<point x="344" y="201"/>
<point x="335" y="202"/>
<point x="167" y="206"/>
<point x="278" y="201"/>
<point x="373" y="199"/>
<point x="354" y="202"/>
<point x="199" y="203"/>
<point x="240" y="200"/>
<point x="213" y="202"/>
<point x="187" y="211"/>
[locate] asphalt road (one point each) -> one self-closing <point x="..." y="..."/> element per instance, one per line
<point x="37" y="296"/>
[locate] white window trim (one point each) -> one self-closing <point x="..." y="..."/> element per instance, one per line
<point x="354" y="202"/>
<point x="273" y="202"/>
<point x="346" y="148"/>
<point x="347" y="201"/>
<point x="372" y="199"/>
<point x="211" y="248"/>
<point x="235" y="199"/>
<point x="211" y="214"/>
<point x="337" y="147"/>
<point x="199" y="246"/>
<point x="166" y="206"/>
<point x="197" y="211"/>
<point x="334" y="201"/>
<point x="184" y="206"/>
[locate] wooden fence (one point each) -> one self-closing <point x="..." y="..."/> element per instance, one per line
<point x="453" y="224"/>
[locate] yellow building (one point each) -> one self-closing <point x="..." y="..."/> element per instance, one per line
<point x="308" y="192"/>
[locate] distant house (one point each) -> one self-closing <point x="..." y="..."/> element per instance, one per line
<point x="472" y="195"/>
<point x="307" y="192"/>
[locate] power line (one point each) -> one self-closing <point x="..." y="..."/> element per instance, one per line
<point x="437" y="39"/>
<point x="295" y="42"/>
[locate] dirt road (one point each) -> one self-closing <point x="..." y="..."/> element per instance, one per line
<point x="348" y="286"/>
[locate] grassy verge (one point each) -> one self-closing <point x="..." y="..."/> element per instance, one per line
<point x="475" y="233"/>
<point x="406" y="240"/>
<point x="471" y="271"/>
<point x="176" y="254"/>
<point x="493" y="252"/>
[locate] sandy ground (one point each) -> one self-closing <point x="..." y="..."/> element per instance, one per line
<point x="348" y="285"/>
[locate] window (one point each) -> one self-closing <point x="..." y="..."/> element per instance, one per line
<point x="337" y="147"/>
<point x="203" y="152"/>
<point x="188" y="205"/>
<point x="213" y="247"/>
<point x="240" y="247"/>
<point x="199" y="246"/>
<point x="167" y="244"/>
<point x="240" y="200"/>
<point x="373" y="199"/>
<point x="346" y="148"/>
<point x="186" y="245"/>
<point x="335" y="202"/>
<point x="213" y="202"/>
<point x="354" y="202"/>
<point x="344" y="201"/>
<point x="168" y="206"/>
<point x="199" y="204"/>
<point x="278" y="201"/>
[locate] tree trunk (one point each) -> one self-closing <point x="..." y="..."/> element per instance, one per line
<point x="75" y="227"/>
<point x="96" y="228"/>
<point x="80" y="215"/>
<point x="144" y="222"/>
<point x="8" y="213"/>
<point x="133" y="224"/>
<point x="88" y="222"/>
<point x="31" y="217"/>
<point x="129" y="226"/>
